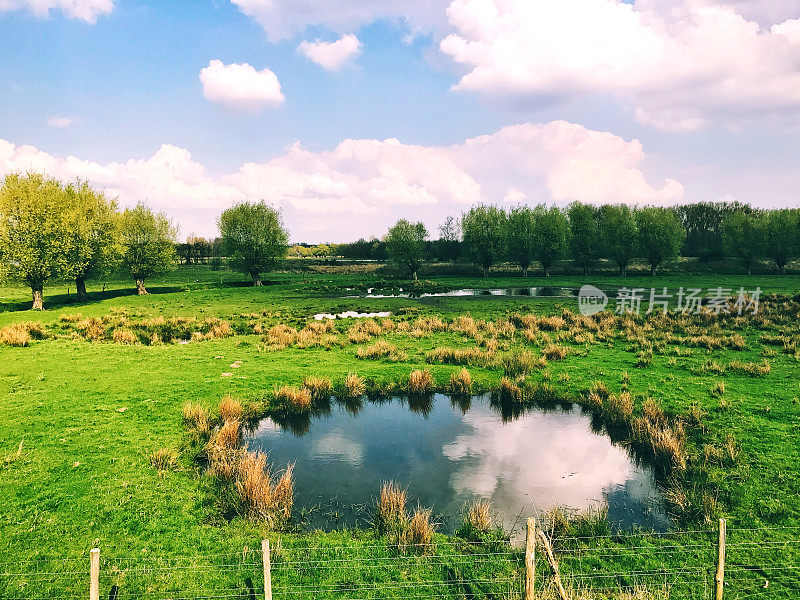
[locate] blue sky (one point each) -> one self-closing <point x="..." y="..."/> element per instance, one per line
<point x="501" y="101"/>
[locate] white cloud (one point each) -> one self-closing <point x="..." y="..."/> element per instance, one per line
<point x="362" y="186"/>
<point x="282" y="19"/>
<point x="678" y="65"/>
<point x="86" y="10"/>
<point x="59" y="122"/>
<point x="331" y="55"/>
<point x="240" y="87"/>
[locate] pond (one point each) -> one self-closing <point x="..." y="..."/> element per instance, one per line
<point x="532" y="292"/>
<point x="446" y="453"/>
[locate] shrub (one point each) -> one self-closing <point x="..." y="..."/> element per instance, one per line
<point x="460" y="383"/>
<point x="420" y="382"/>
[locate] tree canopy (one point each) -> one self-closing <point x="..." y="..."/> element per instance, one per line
<point x="254" y="238"/>
<point x="551" y="236"/>
<point x="742" y="237"/>
<point x="405" y="245"/>
<point x="618" y="234"/>
<point x="148" y="242"/>
<point x="660" y="235"/>
<point x="483" y="231"/>
<point x="584" y="240"/>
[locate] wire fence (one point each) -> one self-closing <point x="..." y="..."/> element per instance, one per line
<point x="759" y="563"/>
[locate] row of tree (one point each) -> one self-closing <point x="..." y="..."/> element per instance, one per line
<point x="586" y="233"/>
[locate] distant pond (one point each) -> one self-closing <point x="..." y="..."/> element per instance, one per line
<point x="446" y="453"/>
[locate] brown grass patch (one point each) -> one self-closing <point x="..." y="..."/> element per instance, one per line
<point x="460" y="383"/>
<point x="555" y="352"/>
<point x="164" y="459"/>
<point x="354" y="385"/>
<point x="195" y="417"/>
<point x="124" y="336"/>
<point x="319" y="387"/>
<point x="391" y="510"/>
<point x="294" y="397"/>
<point x="230" y="409"/>
<point x="420" y="382"/>
<point x="265" y="499"/>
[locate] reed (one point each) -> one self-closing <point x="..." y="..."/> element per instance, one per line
<point x="460" y="383"/>
<point x="354" y="385"/>
<point x="320" y="388"/>
<point x="294" y="398"/>
<point x="420" y="382"/>
<point x="391" y="510"/>
<point x="230" y="409"/>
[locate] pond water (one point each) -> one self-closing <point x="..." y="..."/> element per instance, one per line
<point x="447" y="453"/>
<point x="534" y="292"/>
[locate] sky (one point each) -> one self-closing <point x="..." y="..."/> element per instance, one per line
<point x="350" y="114"/>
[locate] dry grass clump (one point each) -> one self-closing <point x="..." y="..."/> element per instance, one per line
<point x="294" y="397"/>
<point x="230" y="409"/>
<point x="459" y="356"/>
<point x="510" y="391"/>
<point x="218" y="329"/>
<point x="391" y="512"/>
<point x="418" y="533"/>
<point x="665" y="444"/>
<point x="164" y="459"/>
<point x="354" y="385"/>
<point x="123" y="335"/>
<point x="420" y="382"/>
<point x="380" y="349"/>
<point x="21" y="334"/>
<point x="319" y="387"/>
<point x="195" y="417"/>
<point x="618" y="409"/>
<point x="280" y="336"/>
<point x="761" y="369"/>
<point x="555" y="352"/>
<point x="362" y="331"/>
<point x="460" y="383"/>
<point x="465" y="325"/>
<point x="73" y="318"/>
<point x="264" y="498"/>
<point x="515" y="364"/>
<point x="478" y="517"/>
<point x="553" y="323"/>
<point x="429" y="325"/>
<point x="229" y="436"/>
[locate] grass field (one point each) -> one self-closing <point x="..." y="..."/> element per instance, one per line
<point x="80" y="418"/>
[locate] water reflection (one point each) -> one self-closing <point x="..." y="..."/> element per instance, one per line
<point x="449" y="451"/>
<point x="536" y="291"/>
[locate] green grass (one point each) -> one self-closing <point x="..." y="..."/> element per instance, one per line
<point x="89" y="415"/>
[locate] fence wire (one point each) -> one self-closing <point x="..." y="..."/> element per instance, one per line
<point x="760" y="563"/>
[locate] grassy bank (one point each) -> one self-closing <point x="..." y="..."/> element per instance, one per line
<point x="81" y="418"/>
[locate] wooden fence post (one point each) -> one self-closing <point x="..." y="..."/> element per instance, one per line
<point x="267" y="570"/>
<point x="720" y="578"/>
<point x="94" y="575"/>
<point x="530" y="558"/>
<point x="551" y="558"/>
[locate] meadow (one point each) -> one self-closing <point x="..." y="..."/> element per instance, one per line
<point x="93" y="389"/>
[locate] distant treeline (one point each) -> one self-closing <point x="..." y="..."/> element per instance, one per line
<point x="584" y="233"/>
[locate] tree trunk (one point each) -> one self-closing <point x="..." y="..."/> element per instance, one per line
<point x="546" y="272"/>
<point x="415" y="276"/>
<point x="38" y="302"/>
<point x="652" y="270"/>
<point x="80" y="287"/>
<point x="140" y="289"/>
<point x="585" y="270"/>
<point x="256" y="279"/>
<point x="485" y="271"/>
<point x="747" y="266"/>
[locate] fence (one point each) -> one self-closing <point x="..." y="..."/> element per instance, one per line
<point x="720" y="563"/>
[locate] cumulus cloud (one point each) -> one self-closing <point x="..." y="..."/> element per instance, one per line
<point x="59" y="122"/>
<point x="363" y="185"/>
<point x="240" y="87"/>
<point x="85" y="10"/>
<point x="331" y="55"/>
<point x="282" y="19"/>
<point x="679" y="65"/>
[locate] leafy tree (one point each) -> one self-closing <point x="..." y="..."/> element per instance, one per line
<point x="148" y="243"/>
<point x="405" y="245"/>
<point x="254" y="238"/>
<point x="618" y="234"/>
<point x="551" y="236"/>
<point x="660" y="235"/>
<point x="483" y="231"/>
<point x="448" y="246"/>
<point x="33" y="240"/>
<point x="703" y="224"/>
<point x="781" y="229"/>
<point x="742" y="237"/>
<point x="92" y="231"/>
<point x="584" y="241"/>
<point x="522" y="240"/>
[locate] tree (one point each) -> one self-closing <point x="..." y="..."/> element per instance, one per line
<point x="447" y="247"/>
<point x="483" y="231"/>
<point x="781" y="236"/>
<point x="148" y="244"/>
<point x="551" y="235"/>
<point x="254" y="238"/>
<point x="742" y="237"/>
<point x="92" y="231"/>
<point x="405" y="244"/>
<point x="521" y="236"/>
<point x="618" y="234"/>
<point x="660" y="235"/>
<point x="584" y="240"/>
<point x="33" y="240"/>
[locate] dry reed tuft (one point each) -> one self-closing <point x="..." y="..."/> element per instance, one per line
<point x="380" y="349"/>
<point x="460" y="383"/>
<point x="319" y="387"/>
<point x="510" y="391"/>
<point x="555" y="352"/>
<point x="418" y="533"/>
<point x="515" y="364"/>
<point x="420" y="382"/>
<point x="227" y="437"/>
<point x="391" y="510"/>
<point x="164" y="459"/>
<point x="459" y="356"/>
<point x="195" y="417"/>
<point x="761" y="369"/>
<point x="125" y="336"/>
<point x="294" y="397"/>
<point x="264" y="498"/>
<point x="21" y="334"/>
<point x="354" y="385"/>
<point x="618" y="409"/>
<point x="478" y="517"/>
<point x="230" y="409"/>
